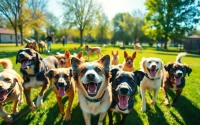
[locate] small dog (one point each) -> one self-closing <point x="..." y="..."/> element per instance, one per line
<point x="94" y="89"/>
<point x="31" y="44"/>
<point x="115" y="58"/>
<point x="91" y="50"/>
<point x="10" y="88"/>
<point x="137" y="47"/>
<point x="124" y="87"/>
<point x="33" y="68"/>
<point x="62" y="81"/>
<point x="154" y="69"/>
<point x="42" y="46"/>
<point x="128" y="64"/>
<point x="175" y="78"/>
<point x="65" y="59"/>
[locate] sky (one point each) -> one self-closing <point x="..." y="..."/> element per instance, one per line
<point x="110" y="7"/>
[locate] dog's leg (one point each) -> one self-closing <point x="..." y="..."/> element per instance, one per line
<point x="14" y="108"/>
<point x="61" y="107"/>
<point x="165" y="96"/>
<point x="153" y="102"/>
<point x="101" y="118"/>
<point x="178" y="93"/>
<point x="71" y="98"/>
<point x="39" y="101"/>
<point x="5" y="116"/>
<point x="143" y="99"/>
<point x="123" y="119"/>
<point x="110" y="117"/>
<point x="28" y="99"/>
<point x="87" y="118"/>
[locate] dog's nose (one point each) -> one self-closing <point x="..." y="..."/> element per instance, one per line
<point x="179" y="74"/>
<point x="153" y="66"/>
<point x="90" y="76"/>
<point x="124" y="90"/>
<point x="60" y="84"/>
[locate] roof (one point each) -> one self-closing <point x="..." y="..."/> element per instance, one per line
<point x="6" y="31"/>
<point x="193" y="37"/>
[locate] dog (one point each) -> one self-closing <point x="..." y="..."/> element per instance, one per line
<point x="154" y="69"/>
<point x="128" y="64"/>
<point x="94" y="89"/>
<point x="63" y="83"/>
<point x="115" y="58"/>
<point x="124" y="87"/>
<point x="33" y="68"/>
<point x="174" y="78"/>
<point x="31" y="44"/>
<point x="42" y="46"/>
<point x="10" y="89"/>
<point x="137" y="47"/>
<point x="65" y="59"/>
<point x="91" y="50"/>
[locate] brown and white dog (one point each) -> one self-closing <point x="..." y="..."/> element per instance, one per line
<point x="10" y="89"/>
<point x="174" y="78"/>
<point x="31" y="44"/>
<point x="42" y="46"/>
<point x="137" y="47"/>
<point x="94" y="89"/>
<point x="154" y="69"/>
<point x="128" y="64"/>
<point x="63" y="83"/>
<point x="115" y="58"/>
<point x="33" y="68"/>
<point x="91" y="50"/>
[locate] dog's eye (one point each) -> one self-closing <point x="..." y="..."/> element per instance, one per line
<point x="149" y="62"/>
<point x="131" y="79"/>
<point x="7" y="79"/>
<point x="65" y="76"/>
<point x="157" y="62"/>
<point x="97" y="69"/>
<point x="83" y="71"/>
<point x="56" y="76"/>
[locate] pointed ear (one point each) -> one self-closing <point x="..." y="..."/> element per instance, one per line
<point x="188" y="69"/>
<point x="112" y="53"/>
<point x="114" y="71"/>
<point x="117" y="52"/>
<point x="168" y="66"/>
<point x="125" y="54"/>
<point x="50" y="73"/>
<point x="139" y="75"/>
<point x="80" y="54"/>
<point x="134" y="55"/>
<point x="75" y="64"/>
<point x="105" y="60"/>
<point x="67" y="53"/>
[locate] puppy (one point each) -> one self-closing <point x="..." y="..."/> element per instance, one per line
<point x="65" y="59"/>
<point x="91" y="50"/>
<point x="94" y="89"/>
<point x="137" y="47"/>
<point x="31" y="44"/>
<point x="154" y="68"/>
<point x="115" y="58"/>
<point x="10" y="89"/>
<point x="128" y="64"/>
<point x="62" y="81"/>
<point x="42" y="46"/>
<point x="124" y="87"/>
<point x="33" y="68"/>
<point x="175" y="78"/>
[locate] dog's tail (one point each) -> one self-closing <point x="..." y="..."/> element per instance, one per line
<point x="179" y="57"/>
<point x="6" y="63"/>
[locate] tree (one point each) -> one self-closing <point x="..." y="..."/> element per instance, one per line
<point x="80" y="13"/>
<point x="169" y="19"/>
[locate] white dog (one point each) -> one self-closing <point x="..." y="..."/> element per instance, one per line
<point x="153" y="67"/>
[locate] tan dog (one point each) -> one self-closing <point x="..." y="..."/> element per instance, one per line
<point x="94" y="89"/>
<point x="31" y="44"/>
<point x="154" y="68"/>
<point x="91" y="50"/>
<point x="115" y="58"/>
<point x="128" y="64"/>
<point x="137" y="47"/>
<point x="63" y="83"/>
<point x="42" y="46"/>
<point x="10" y="88"/>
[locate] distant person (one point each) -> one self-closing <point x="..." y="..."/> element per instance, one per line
<point x="64" y="40"/>
<point x="49" y="41"/>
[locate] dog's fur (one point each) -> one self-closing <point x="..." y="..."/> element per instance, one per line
<point x="154" y="69"/>
<point x="115" y="58"/>
<point x="91" y="50"/>
<point x="42" y="46"/>
<point x="65" y="59"/>
<point x="63" y="83"/>
<point x="31" y="44"/>
<point x="175" y="78"/>
<point x="128" y="64"/>
<point x="94" y="89"/>
<point x="124" y="87"/>
<point x="33" y="68"/>
<point x="137" y="47"/>
<point x="10" y="88"/>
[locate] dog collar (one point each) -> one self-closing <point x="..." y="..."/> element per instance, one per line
<point x="95" y="100"/>
<point x="152" y="78"/>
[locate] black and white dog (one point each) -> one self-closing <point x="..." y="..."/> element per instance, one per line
<point x="33" y="68"/>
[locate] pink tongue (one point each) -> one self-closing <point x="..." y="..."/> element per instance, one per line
<point x="92" y="88"/>
<point x="152" y="72"/>
<point x="123" y="102"/>
<point x="2" y="94"/>
<point x="178" y="80"/>
<point x="24" y="64"/>
<point x="61" y="91"/>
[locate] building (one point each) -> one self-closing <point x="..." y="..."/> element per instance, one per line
<point x="192" y="43"/>
<point x="8" y="36"/>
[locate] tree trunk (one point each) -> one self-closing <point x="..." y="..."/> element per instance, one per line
<point x="36" y="36"/>
<point x="81" y="37"/>
<point x="16" y="41"/>
<point x="165" y="43"/>
<point x="21" y="34"/>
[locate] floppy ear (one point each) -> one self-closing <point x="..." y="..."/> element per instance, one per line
<point x="114" y="73"/>
<point x="105" y="60"/>
<point x="134" y="55"/>
<point x="188" y="69"/>
<point x="142" y="63"/>
<point x="17" y="60"/>
<point x="112" y="52"/>
<point x="80" y="54"/>
<point x="139" y="75"/>
<point x="168" y="66"/>
<point x="162" y="66"/>
<point x="67" y="53"/>
<point x="38" y="57"/>
<point x="125" y="54"/>
<point x="49" y="74"/>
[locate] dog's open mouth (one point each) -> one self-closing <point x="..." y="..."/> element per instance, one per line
<point x="62" y="63"/>
<point x="153" y="72"/>
<point x="61" y="91"/>
<point x="4" y="94"/>
<point x="92" y="88"/>
<point x="123" y="102"/>
<point x="177" y="80"/>
<point x="24" y="63"/>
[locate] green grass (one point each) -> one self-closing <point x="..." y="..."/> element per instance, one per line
<point x="187" y="111"/>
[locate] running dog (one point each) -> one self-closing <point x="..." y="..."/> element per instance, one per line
<point x="33" y="68"/>
<point x="10" y="89"/>
<point x="124" y="87"/>
<point x="128" y="64"/>
<point x="154" y="68"/>
<point x="63" y="83"/>
<point x="174" y="78"/>
<point x="137" y="47"/>
<point x="91" y="50"/>
<point x="115" y="58"/>
<point x="42" y="46"/>
<point x="94" y="89"/>
<point x="31" y="44"/>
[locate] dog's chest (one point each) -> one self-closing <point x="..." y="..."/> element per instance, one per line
<point x="33" y="83"/>
<point x="151" y="84"/>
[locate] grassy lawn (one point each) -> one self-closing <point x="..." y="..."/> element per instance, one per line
<point x="187" y="111"/>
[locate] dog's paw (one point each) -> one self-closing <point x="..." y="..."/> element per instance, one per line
<point x="8" y="118"/>
<point x="143" y="109"/>
<point x="39" y="101"/>
<point x="33" y="107"/>
<point x="15" y="112"/>
<point x="152" y="103"/>
<point x="100" y="123"/>
<point x="167" y="102"/>
<point x="68" y="117"/>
